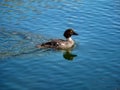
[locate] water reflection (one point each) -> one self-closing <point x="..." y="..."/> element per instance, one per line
<point x="68" y="55"/>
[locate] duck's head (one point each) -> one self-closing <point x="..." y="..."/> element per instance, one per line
<point x="69" y="32"/>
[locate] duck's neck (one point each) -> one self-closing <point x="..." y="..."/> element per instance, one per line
<point x="69" y="39"/>
<point x="71" y="42"/>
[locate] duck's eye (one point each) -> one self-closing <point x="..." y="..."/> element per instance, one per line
<point x="71" y="31"/>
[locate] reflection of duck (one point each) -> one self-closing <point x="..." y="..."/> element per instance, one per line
<point x="69" y="56"/>
<point x="59" y="43"/>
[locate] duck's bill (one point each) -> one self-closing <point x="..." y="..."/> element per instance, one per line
<point x="74" y="33"/>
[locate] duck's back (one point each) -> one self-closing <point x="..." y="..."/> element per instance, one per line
<point x="56" y="43"/>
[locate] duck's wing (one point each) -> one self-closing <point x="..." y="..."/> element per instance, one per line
<point x="52" y="44"/>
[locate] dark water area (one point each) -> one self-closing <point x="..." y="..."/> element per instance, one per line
<point x="94" y="62"/>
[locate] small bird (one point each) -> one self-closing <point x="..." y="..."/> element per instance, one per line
<point x="60" y="43"/>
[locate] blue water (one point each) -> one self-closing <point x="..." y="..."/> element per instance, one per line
<point x="94" y="62"/>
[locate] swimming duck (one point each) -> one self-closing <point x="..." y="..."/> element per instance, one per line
<point x="60" y="43"/>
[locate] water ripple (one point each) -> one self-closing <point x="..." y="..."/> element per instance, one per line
<point x="27" y="23"/>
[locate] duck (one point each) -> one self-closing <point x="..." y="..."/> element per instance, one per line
<point x="60" y="43"/>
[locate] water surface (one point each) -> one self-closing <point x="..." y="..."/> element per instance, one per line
<point x="93" y="64"/>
